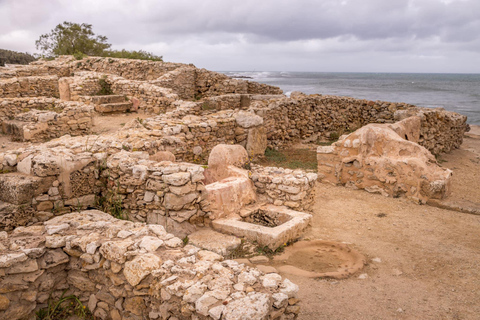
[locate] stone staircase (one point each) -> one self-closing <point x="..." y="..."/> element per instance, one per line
<point x="111" y="104"/>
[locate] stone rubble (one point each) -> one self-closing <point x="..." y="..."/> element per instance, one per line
<point x="142" y="275"/>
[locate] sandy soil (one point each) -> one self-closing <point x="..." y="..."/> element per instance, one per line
<point x="113" y="122"/>
<point x="430" y="257"/>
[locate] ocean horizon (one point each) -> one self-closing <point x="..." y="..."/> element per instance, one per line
<point x="451" y="91"/>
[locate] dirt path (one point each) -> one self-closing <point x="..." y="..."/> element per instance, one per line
<point x="430" y="257"/>
<point x="110" y="123"/>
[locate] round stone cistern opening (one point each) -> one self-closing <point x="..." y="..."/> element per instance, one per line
<point x="319" y="259"/>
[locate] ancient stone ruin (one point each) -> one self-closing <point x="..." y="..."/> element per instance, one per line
<point x="183" y="168"/>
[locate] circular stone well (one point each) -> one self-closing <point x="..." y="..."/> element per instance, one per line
<point x="319" y="259"/>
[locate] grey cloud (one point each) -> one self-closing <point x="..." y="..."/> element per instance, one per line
<point x="275" y="34"/>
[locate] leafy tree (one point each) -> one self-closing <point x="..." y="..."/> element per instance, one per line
<point x="72" y="39"/>
<point x="13" y="57"/>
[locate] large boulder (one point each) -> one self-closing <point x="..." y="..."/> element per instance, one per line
<point x="380" y="159"/>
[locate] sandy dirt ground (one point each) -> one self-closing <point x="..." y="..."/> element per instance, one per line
<point x="426" y="260"/>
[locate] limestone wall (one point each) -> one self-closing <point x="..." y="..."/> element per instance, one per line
<point x="74" y="118"/>
<point x="150" y="98"/>
<point x="166" y="193"/>
<point x="182" y="81"/>
<point x="131" y="69"/>
<point x="312" y="116"/>
<point x="125" y="270"/>
<point x="9" y="107"/>
<point x="441" y="131"/>
<point x="285" y="187"/>
<point x="214" y="84"/>
<point x="191" y="138"/>
<point x="58" y="67"/>
<point x="29" y="87"/>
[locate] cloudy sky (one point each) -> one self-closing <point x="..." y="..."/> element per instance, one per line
<point x="273" y="35"/>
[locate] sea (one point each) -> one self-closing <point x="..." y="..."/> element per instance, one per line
<point x="453" y="92"/>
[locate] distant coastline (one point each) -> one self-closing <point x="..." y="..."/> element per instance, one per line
<point x="453" y="92"/>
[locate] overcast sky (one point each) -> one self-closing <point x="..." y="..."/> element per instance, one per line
<point x="273" y="35"/>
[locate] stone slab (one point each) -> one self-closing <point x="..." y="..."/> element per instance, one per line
<point x="214" y="241"/>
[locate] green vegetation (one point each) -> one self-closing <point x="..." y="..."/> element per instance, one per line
<point x="13" y="57"/>
<point x="105" y="87"/>
<point x="112" y="203"/>
<point x="290" y="158"/>
<point x="248" y="249"/>
<point x="79" y="40"/>
<point x="64" y="308"/>
<point x="72" y="39"/>
<point x="125" y="54"/>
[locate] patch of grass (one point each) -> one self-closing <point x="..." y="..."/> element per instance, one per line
<point x="206" y="106"/>
<point x="439" y="159"/>
<point x="266" y="251"/>
<point x="248" y="249"/>
<point x="290" y="158"/>
<point x="105" y="87"/>
<point x="64" y="308"/>
<point x="185" y="240"/>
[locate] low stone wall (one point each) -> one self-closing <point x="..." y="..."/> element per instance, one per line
<point x="294" y="189"/>
<point x="46" y="86"/>
<point x="40" y="125"/>
<point x="181" y="81"/>
<point x="58" y="67"/>
<point x="192" y="138"/>
<point x="385" y="159"/>
<point x="211" y="84"/>
<point x="441" y="131"/>
<point x="125" y="270"/>
<point x="226" y="102"/>
<point x="10" y="107"/>
<point x="151" y="98"/>
<point x="166" y="193"/>
<point x="309" y="117"/>
<point x="130" y="69"/>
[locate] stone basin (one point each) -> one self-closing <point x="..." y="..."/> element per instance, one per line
<point x="290" y="225"/>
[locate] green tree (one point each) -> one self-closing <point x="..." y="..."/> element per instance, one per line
<point x="8" y="56"/>
<point x="125" y="54"/>
<point x="72" y="39"/>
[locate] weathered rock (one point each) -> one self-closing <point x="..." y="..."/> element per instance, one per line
<point x="377" y="159"/>
<point x="140" y="267"/>
<point x="214" y="241"/>
<point x="253" y="306"/>
<point x="163" y="156"/>
<point x="115" y="250"/>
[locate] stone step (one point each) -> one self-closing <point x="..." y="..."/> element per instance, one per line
<point x="113" y="98"/>
<point x="114" y="107"/>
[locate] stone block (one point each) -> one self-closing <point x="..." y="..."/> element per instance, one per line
<point x="19" y="188"/>
<point x="273" y="237"/>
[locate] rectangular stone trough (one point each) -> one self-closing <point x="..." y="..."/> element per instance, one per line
<point x="290" y="225"/>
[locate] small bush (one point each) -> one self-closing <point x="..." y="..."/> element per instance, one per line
<point x="126" y="54"/>
<point x="105" y="87"/>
